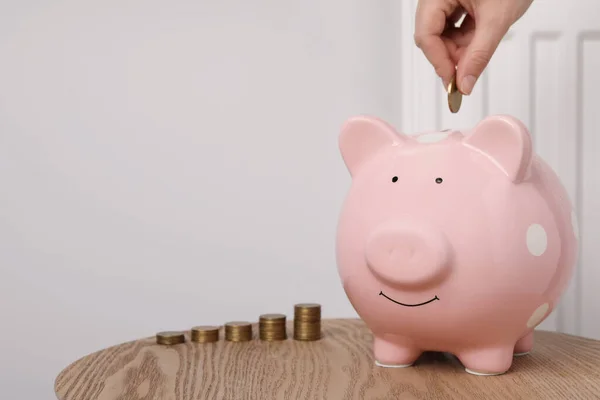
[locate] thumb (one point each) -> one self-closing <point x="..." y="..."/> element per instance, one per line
<point x="488" y="34"/>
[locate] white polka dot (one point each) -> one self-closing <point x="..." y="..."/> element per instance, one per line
<point x="537" y="240"/>
<point x="537" y="315"/>
<point x="575" y="224"/>
<point x="432" y="137"/>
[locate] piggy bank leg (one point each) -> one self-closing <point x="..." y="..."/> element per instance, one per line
<point x="394" y="352"/>
<point x="524" y="345"/>
<point x="487" y="361"/>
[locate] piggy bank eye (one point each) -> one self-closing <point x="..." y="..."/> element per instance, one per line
<point x="439" y="180"/>
<point x="395" y="179"/>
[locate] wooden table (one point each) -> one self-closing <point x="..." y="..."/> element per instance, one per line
<point x="339" y="366"/>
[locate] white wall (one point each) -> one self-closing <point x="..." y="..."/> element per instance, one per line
<point x="166" y="164"/>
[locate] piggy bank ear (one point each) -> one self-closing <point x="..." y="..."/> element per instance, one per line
<point x="507" y="142"/>
<point x="362" y="137"/>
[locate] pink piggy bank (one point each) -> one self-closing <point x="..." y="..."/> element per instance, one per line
<point x="452" y="241"/>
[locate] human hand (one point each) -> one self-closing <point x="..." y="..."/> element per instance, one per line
<point x="467" y="50"/>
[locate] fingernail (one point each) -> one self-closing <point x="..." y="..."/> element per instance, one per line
<point x="467" y="84"/>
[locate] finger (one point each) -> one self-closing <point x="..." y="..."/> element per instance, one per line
<point x="453" y="50"/>
<point x="486" y="38"/>
<point x="460" y="53"/>
<point x="430" y="23"/>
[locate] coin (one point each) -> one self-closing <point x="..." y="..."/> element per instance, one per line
<point x="272" y="327"/>
<point x="307" y="312"/>
<point x="307" y="331"/>
<point x="454" y="96"/>
<point x="205" y="334"/>
<point x="170" y="337"/>
<point x="237" y="331"/>
<point x="307" y="321"/>
<point x="272" y="318"/>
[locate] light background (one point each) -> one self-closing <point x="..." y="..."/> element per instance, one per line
<point x="165" y="164"/>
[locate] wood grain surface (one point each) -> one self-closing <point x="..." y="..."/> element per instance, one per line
<point x="340" y="366"/>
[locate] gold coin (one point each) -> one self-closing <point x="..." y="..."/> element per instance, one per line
<point x="307" y="306"/>
<point x="272" y="327"/>
<point x="307" y="324"/>
<point x="205" y="334"/>
<point x="304" y="330"/>
<point x="237" y="331"/>
<point x="272" y="318"/>
<point x="307" y="312"/>
<point x="272" y="337"/>
<point x="454" y="96"/>
<point x="306" y="337"/>
<point x="296" y="322"/>
<point x="170" y="337"/>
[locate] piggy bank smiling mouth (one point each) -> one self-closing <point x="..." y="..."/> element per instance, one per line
<point x="408" y="305"/>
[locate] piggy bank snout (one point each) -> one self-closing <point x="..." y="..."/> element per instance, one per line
<point x="408" y="255"/>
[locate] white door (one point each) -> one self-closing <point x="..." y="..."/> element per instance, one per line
<point x="547" y="73"/>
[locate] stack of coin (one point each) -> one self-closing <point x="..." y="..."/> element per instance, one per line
<point x="307" y="322"/>
<point x="272" y="327"/>
<point x="238" y="331"/>
<point x="170" y="338"/>
<point x="205" y="334"/>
